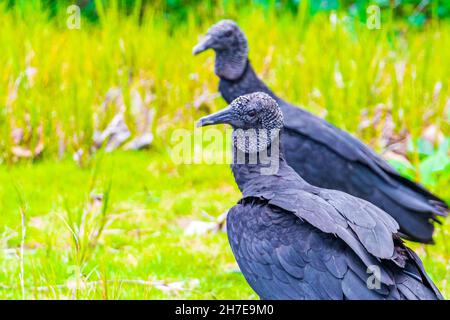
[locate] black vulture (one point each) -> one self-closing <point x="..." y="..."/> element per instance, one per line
<point x="322" y="154"/>
<point x="293" y="240"/>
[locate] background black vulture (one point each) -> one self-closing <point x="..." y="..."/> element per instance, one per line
<point x="296" y="241"/>
<point x="322" y="154"/>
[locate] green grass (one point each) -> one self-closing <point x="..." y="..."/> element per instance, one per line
<point x="143" y="241"/>
<point x="396" y="69"/>
<point x="395" y="80"/>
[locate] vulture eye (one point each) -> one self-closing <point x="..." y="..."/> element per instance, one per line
<point x="252" y="113"/>
<point x="228" y="33"/>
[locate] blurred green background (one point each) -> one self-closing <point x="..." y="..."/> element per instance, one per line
<point x="85" y="216"/>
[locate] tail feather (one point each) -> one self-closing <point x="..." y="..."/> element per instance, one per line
<point x="414" y="189"/>
<point x="425" y="277"/>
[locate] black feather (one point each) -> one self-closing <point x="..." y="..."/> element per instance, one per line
<point x="328" y="157"/>
<point x="296" y="241"/>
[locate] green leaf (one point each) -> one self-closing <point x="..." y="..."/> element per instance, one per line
<point x="439" y="162"/>
<point x="417" y="20"/>
<point x="324" y="5"/>
<point x="422" y="146"/>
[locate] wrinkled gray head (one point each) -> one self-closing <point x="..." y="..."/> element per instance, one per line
<point x="251" y="111"/>
<point x="229" y="42"/>
<point x="255" y="117"/>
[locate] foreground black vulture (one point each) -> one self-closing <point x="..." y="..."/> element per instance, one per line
<point x="322" y="154"/>
<point x="293" y="240"/>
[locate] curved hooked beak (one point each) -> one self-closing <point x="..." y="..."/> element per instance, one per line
<point x="203" y="45"/>
<point x="223" y="116"/>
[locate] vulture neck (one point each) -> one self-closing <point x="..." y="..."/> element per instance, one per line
<point x="256" y="166"/>
<point x="247" y="82"/>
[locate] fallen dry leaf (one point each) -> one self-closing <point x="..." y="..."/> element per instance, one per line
<point x="433" y="135"/>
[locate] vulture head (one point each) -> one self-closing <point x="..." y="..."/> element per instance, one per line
<point x="256" y="119"/>
<point x="230" y="45"/>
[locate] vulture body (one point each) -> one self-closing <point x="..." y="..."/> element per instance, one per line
<point x="322" y="154"/>
<point x="293" y="240"/>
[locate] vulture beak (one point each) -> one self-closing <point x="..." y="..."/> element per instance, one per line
<point x="203" y="45"/>
<point x="223" y="116"/>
